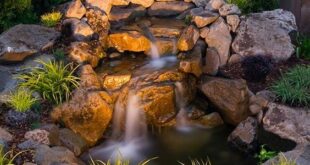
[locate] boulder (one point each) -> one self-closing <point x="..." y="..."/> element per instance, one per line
<point x="229" y="9"/>
<point x="211" y="120"/>
<point x="212" y="62"/>
<point x="192" y="63"/>
<point x="45" y="155"/>
<point x="75" y="9"/>
<point x="188" y="38"/>
<point x="126" y="14"/>
<point x="160" y="28"/>
<point x="215" y="4"/>
<point x="20" y="119"/>
<point x="164" y="9"/>
<point x="233" y="21"/>
<point x="203" y="17"/>
<point x="244" y="137"/>
<point x="103" y="5"/>
<point x="78" y="30"/>
<point x="38" y="135"/>
<point x="231" y="97"/>
<point x="5" y="135"/>
<point x="72" y="141"/>
<point x="88" y="114"/>
<point x="89" y="79"/>
<point x="266" y="33"/>
<point x="129" y="41"/>
<point x="144" y="3"/>
<point x="22" y="41"/>
<point x="114" y="82"/>
<point x="200" y="3"/>
<point x="218" y="36"/>
<point x="288" y="123"/>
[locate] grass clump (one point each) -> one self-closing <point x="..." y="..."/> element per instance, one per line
<point x="54" y="81"/>
<point x="5" y="158"/>
<point x="303" y="47"/>
<point x="284" y="161"/>
<point x="294" y="86"/>
<point x="21" y="100"/>
<point x="250" y="6"/>
<point x="198" y="162"/>
<point x="119" y="160"/>
<point x="51" y="19"/>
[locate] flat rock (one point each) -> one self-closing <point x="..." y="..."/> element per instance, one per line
<point x="144" y="3"/>
<point x="211" y="120"/>
<point x="203" y="17"/>
<point x="126" y="14"/>
<point x="120" y="2"/>
<point x="266" y="33"/>
<point x="173" y="8"/>
<point x="164" y="46"/>
<point x="103" y="5"/>
<point x="22" y="41"/>
<point x="188" y="39"/>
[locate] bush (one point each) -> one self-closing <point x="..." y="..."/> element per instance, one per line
<point x="54" y="81"/>
<point x="303" y="47"/>
<point x="256" y="68"/>
<point x="250" y="6"/>
<point x="294" y="86"/>
<point x="51" y="19"/>
<point x="21" y="100"/>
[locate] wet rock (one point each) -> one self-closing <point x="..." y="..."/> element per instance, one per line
<point x="212" y="62"/>
<point x="164" y="9"/>
<point x="244" y="137"/>
<point x="87" y="114"/>
<point x="82" y="52"/>
<point x="165" y="46"/>
<point x="78" y="30"/>
<point x="5" y="136"/>
<point x="129" y="41"/>
<point x="38" y="135"/>
<point x="22" y="41"/>
<point x="56" y="155"/>
<point x="233" y="21"/>
<point x="120" y="2"/>
<point x="218" y="36"/>
<point x="288" y="123"/>
<point x="72" y="141"/>
<point x="160" y="28"/>
<point x="75" y="10"/>
<point x="126" y="14"/>
<point x="188" y="38"/>
<point x="20" y="119"/>
<point x="89" y="79"/>
<point x="229" y="96"/>
<point x="99" y="22"/>
<point x="266" y="33"/>
<point x="144" y="3"/>
<point x="114" y="82"/>
<point x="192" y="63"/>
<point x="103" y="5"/>
<point x="229" y="9"/>
<point x="211" y="120"/>
<point x="203" y="17"/>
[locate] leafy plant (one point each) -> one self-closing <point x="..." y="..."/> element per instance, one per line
<point x="265" y="155"/>
<point x="250" y="6"/>
<point x="294" y="86"/>
<point x="303" y="47"/>
<point x="284" y="161"/>
<point x="198" y="162"/>
<point x="54" y="81"/>
<point x="5" y="159"/>
<point x="51" y="19"/>
<point x="21" y="100"/>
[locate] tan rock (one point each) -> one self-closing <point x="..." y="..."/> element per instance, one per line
<point x="120" y="2"/>
<point x="88" y="78"/>
<point x="229" y="96"/>
<point x="233" y="21"/>
<point x="103" y="5"/>
<point x="87" y="114"/>
<point x="203" y="17"/>
<point x="212" y="63"/>
<point x="165" y="46"/>
<point x="215" y="4"/>
<point x="75" y="10"/>
<point x="144" y="3"/>
<point x="79" y="30"/>
<point x="229" y="9"/>
<point x="163" y="9"/>
<point x="188" y="38"/>
<point x="211" y="120"/>
<point x="193" y="63"/>
<point x="129" y="41"/>
<point x="113" y="82"/>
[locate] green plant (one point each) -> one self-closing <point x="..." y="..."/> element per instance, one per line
<point x="249" y="6"/>
<point x="51" y="19"/>
<point x="54" y="81"/>
<point x="303" y="47"/>
<point x="59" y="54"/>
<point x="284" y="161"/>
<point x="198" y="162"/>
<point x="294" y="86"/>
<point x="5" y="158"/>
<point x="265" y="155"/>
<point x="21" y="100"/>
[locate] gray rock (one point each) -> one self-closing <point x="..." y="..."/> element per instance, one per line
<point x="19" y="119"/>
<point x="5" y="136"/>
<point x="233" y="21"/>
<point x="200" y="3"/>
<point x="28" y="144"/>
<point x="229" y="9"/>
<point x="56" y="155"/>
<point x="72" y="141"/>
<point x="22" y="41"/>
<point x="126" y="14"/>
<point x="212" y="63"/>
<point x="244" y="137"/>
<point x="266" y="33"/>
<point x="169" y="8"/>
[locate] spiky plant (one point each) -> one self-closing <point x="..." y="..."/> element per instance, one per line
<point x="284" y="161"/>
<point x="21" y="100"/>
<point x="5" y="158"/>
<point x="51" y="19"/>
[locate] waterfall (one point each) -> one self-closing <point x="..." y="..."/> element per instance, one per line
<point x="181" y="119"/>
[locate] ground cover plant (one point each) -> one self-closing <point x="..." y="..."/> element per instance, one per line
<point x="294" y="86"/>
<point x="51" y="19"/>
<point x="265" y="154"/>
<point x="21" y="100"/>
<point x="249" y="6"/>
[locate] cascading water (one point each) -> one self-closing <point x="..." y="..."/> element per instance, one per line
<point x="181" y="119"/>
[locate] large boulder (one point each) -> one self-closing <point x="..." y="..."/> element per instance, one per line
<point x="103" y="5"/>
<point x="87" y="114"/>
<point x="169" y="8"/>
<point x="231" y="97"/>
<point x="266" y="33"/>
<point x="288" y="123"/>
<point x="22" y="41"/>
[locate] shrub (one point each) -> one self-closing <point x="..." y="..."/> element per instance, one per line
<point x="250" y="6"/>
<point x="303" y="47"/>
<point x="265" y="155"/>
<point x="21" y="100"/>
<point x="256" y="68"/>
<point x="284" y="161"/>
<point x="51" y="19"/>
<point x="54" y="81"/>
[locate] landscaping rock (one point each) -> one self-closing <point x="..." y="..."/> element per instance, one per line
<point x="126" y="14"/>
<point x="231" y="97"/>
<point x="192" y="63"/>
<point x="288" y="123"/>
<point x="200" y="3"/>
<point x="229" y="9"/>
<point x="203" y="17"/>
<point x="75" y="9"/>
<point x="160" y="28"/>
<point x="78" y="30"/>
<point x="22" y="41"/>
<point x="188" y="38"/>
<point x="56" y="155"/>
<point x="72" y="141"/>
<point x="89" y="79"/>
<point x="129" y="41"/>
<point x="114" y="82"/>
<point x="233" y="21"/>
<point x="20" y="119"/>
<point x="218" y="36"/>
<point x="211" y="120"/>
<point x="103" y="5"/>
<point x="38" y="135"/>
<point x="144" y="3"/>
<point x="165" y="46"/>
<point x="164" y="9"/>
<point x="244" y="137"/>
<point x="29" y="144"/>
<point x="87" y="114"/>
<point x="120" y="2"/>
<point x="266" y="33"/>
<point x="212" y="63"/>
<point x="5" y="136"/>
<point x="215" y="4"/>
